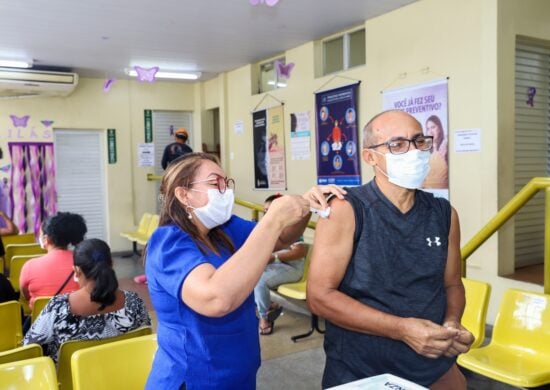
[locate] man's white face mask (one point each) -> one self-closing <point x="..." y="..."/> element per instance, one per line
<point x="407" y="170"/>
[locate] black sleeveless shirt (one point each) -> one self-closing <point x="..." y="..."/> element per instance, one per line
<point x="397" y="267"/>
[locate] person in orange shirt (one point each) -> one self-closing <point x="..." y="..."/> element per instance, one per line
<point x="52" y="273"/>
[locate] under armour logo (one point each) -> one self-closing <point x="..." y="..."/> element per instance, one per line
<point x="435" y="241"/>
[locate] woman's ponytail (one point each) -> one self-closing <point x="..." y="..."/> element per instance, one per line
<point x="93" y="257"/>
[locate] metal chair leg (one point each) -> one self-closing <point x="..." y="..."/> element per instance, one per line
<point x="314" y="327"/>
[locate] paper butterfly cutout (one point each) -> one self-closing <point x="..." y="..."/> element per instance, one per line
<point x="147" y="75"/>
<point x="47" y="123"/>
<point x="531" y="92"/>
<point x="283" y="70"/>
<point x="5" y="168"/>
<point x="269" y="3"/>
<point x="108" y="84"/>
<point x="20" y="122"/>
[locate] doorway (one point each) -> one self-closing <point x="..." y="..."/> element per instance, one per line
<point x="80" y="177"/>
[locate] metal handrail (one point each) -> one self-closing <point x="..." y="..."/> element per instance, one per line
<point x="535" y="185"/>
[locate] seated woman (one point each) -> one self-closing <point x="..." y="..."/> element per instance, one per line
<point x="52" y="273"/>
<point x="97" y="310"/>
<point x="285" y="266"/>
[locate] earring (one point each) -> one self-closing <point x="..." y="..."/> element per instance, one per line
<point x="187" y="210"/>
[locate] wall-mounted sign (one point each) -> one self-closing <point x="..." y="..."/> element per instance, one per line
<point x="111" y="145"/>
<point x="148" y="117"/>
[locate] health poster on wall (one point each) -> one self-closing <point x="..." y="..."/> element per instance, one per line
<point x="428" y="104"/>
<point x="300" y="134"/>
<point x="337" y="139"/>
<point x="269" y="149"/>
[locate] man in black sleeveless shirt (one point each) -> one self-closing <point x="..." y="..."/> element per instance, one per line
<point x="385" y="269"/>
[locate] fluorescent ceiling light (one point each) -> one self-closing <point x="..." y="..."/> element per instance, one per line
<point x="279" y="84"/>
<point x="15" y="64"/>
<point x="169" y="75"/>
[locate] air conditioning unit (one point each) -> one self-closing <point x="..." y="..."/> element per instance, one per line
<point x="21" y="83"/>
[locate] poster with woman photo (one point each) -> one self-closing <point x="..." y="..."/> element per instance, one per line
<point x="428" y="104"/>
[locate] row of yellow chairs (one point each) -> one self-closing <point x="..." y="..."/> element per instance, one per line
<point x="519" y="351"/>
<point x="18" y="245"/>
<point x="147" y="225"/>
<point x="129" y="363"/>
<point x="11" y="333"/>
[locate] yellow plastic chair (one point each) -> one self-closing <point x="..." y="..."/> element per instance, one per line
<point x="142" y="238"/>
<point x="27" y="238"/>
<point x="153" y="225"/>
<point x="297" y="290"/>
<point x="31" y="374"/>
<point x="39" y="304"/>
<point x="11" y="333"/>
<point x="28" y="351"/>
<point x="19" y="250"/>
<point x="475" y="311"/>
<point x="140" y="231"/>
<point x="129" y="364"/>
<point x="142" y="227"/>
<point x="519" y="351"/>
<point x="67" y="349"/>
<point x="16" y="265"/>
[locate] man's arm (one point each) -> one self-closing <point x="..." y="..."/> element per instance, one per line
<point x="10" y="226"/>
<point x="331" y="256"/>
<point x="297" y="251"/>
<point x="455" y="290"/>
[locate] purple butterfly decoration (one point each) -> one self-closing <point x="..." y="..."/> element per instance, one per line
<point x="47" y="123"/>
<point x="108" y="84"/>
<point x="5" y="168"/>
<point x="146" y="75"/>
<point x="531" y="92"/>
<point x="269" y="3"/>
<point x="283" y="70"/>
<point x="20" y="122"/>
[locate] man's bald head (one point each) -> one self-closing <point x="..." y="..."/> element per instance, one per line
<point x="371" y="129"/>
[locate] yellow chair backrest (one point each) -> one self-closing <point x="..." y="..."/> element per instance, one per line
<point x="153" y="225"/>
<point x="21" y="249"/>
<point x="16" y="265"/>
<point x="39" y="304"/>
<point x="475" y="311"/>
<point x="37" y="373"/>
<point x="67" y="349"/>
<point x="144" y="223"/>
<point x="142" y="227"/>
<point x="297" y="290"/>
<point x="523" y="322"/>
<point x="26" y="238"/>
<point x="129" y="364"/>
<point x="11" y="333"/>
<point x="28" y="351"/>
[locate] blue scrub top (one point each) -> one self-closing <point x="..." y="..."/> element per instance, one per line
<point x="202" y="352"/>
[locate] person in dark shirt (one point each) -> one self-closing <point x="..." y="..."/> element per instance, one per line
<point x="7" y="293"/>
<point x="176" y="149"/>
<point x="385" y="270"/>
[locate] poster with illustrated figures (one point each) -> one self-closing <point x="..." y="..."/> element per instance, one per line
<point x="428" y="104"/>
<point x="337" y="139"/>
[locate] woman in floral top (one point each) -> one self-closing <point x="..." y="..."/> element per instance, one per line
<point x="97" y="310"/>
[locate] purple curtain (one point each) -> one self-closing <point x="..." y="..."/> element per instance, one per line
<point x="33" y="183"/>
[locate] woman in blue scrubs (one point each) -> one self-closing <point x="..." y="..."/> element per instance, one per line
<point x="202" y="266"/>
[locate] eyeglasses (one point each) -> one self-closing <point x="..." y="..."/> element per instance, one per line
<point x="402" y="145"/>
<point x="223" y="183"/>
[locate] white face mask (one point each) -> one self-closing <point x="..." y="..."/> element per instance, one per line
<point x="407" y="170"/>
<point x="41" y="242"/>
<point x="218" y="209"/>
